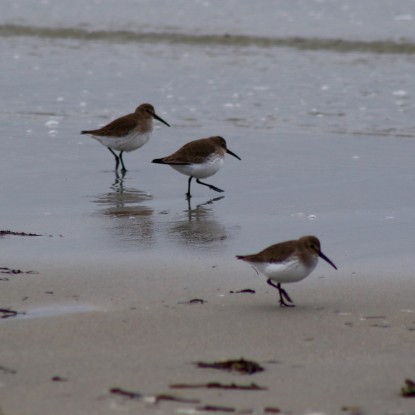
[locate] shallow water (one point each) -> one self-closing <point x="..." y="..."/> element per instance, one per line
<point x="368" y="20"/>
<point x="325" y="133"/>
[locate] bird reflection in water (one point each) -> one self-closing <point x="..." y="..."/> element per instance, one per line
<point x="199" y="227"/>
<point x="131" y="219"/>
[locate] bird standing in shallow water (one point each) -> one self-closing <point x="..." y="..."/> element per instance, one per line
<point x="127" y="133"/>
<point x="199" y="158"/>
<point x="287" y="262"/>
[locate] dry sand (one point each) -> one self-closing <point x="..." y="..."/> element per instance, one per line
<point x="345" y="348"/>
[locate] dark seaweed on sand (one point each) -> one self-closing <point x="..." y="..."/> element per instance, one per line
<point x="124" y="393"/>
<point x="408" y="390"/>
<point x="10" y="271"/>
<point x="217" y="385"/>
<point x="4" y="233"/>
<point x="7" y="312"/>
<point x="241" y="366"/>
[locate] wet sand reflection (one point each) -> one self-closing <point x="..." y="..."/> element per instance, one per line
<point x="131" y="218"/>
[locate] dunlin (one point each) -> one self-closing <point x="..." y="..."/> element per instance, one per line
<point x="127" y="133"/>
<point x="286" y="262"/>
<point x="199" y="158"/>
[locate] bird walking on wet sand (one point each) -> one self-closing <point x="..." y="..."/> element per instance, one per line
<point x="127" y="133"/>
<point x="287" y="262"/>
<point x="199" y="158"/>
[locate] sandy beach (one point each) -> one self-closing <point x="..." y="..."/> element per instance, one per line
<point x="345" y="348"/>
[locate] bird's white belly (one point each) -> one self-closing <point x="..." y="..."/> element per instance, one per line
<point x="200" y="170"/>
<point x="129" y="142"/>
<point x="285" y="272"/>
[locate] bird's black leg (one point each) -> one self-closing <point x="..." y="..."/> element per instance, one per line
<point x="188" y="195"/>
<point x="122" y="162"/>
<point x="117" y="159"/>
<point x="283" y="294"/>
<point x="216" y="189"/>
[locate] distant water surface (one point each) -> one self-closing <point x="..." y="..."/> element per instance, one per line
<point x="352" y="20"/>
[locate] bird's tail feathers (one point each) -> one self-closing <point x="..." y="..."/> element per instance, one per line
<point x="159" y="161"/>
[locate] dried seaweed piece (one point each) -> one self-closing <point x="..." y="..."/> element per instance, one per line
<point x="125" y="393"/>
<point x="197" y="301"/>
<point x="382" y="325"/>
<point x="58" y="379"/>
<point x="194" y="301"/>
<point x="3" y="233"/>
<point x="173" y="398"/>
<point x="9" y="313"/>
<point x="408" y="390"/>
<point x="5" y="270"/>
<point x="246" y="290"/>
<point x="217" y="385"/>
<point x="216" y="408"/>
<point x="352" y="410"/>
<point x="242" y="366"/>
<point x="8" y="371"/>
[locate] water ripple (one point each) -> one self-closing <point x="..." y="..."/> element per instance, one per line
<point x="122" y="36"/>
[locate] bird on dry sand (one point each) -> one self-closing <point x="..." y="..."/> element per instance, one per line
<point x="287" y="262"/>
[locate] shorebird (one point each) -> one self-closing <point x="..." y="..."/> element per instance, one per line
<point x="286" y="262"/>
<point x="199" y="158"/>
<point x="127" y="133"/>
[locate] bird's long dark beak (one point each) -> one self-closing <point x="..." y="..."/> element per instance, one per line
<point x="159" y="118"/>
<point x="232" y="154"/>
<point x="321" y="255"/>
